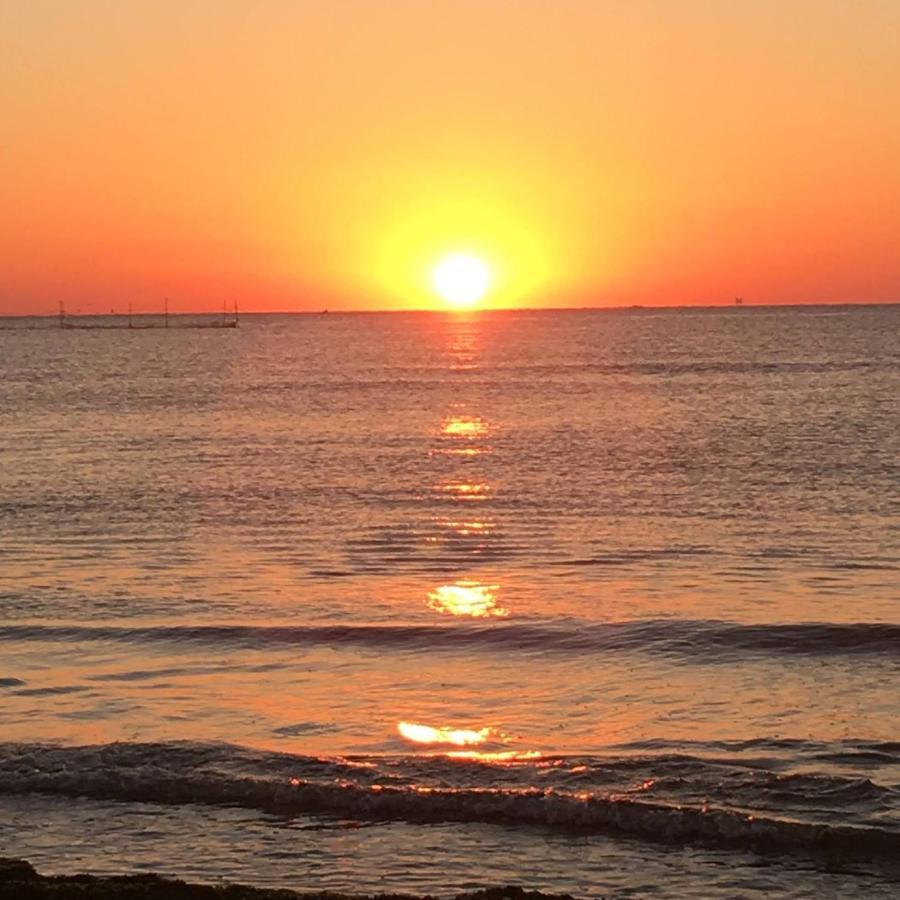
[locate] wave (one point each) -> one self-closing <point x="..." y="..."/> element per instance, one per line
<point x="671" y="368"/>
<point x="703" y="641"/>
<point x="434" y="375"/>
<point x="394" y="790"/>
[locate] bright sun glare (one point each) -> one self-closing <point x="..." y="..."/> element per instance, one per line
<point x="461" y="280"/>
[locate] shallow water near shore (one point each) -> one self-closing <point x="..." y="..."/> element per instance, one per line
<point x="588" y="601"/>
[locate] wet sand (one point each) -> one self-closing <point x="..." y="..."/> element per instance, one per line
<point x="20" y="881"/>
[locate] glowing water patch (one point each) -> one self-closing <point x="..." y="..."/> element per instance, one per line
<point x="425" y="734"/>
<point x="467" y="598"/>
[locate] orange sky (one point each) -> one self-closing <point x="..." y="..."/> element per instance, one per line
<point x="296" y="155"/>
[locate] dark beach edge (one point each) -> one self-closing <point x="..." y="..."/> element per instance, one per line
<point x="20" y="881"/>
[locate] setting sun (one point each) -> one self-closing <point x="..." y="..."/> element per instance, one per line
<point x="461" y="280"/>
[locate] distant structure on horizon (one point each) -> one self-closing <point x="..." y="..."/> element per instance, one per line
<point x="228" y="320"/>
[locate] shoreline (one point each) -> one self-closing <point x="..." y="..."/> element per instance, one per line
<point x="20" y="881"/>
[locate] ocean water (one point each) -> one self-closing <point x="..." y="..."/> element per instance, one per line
<point x="592" y="601"/>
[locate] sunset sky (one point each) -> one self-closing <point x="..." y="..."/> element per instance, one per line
<point x="301" y="154"/>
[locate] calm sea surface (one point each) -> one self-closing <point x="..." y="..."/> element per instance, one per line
<point x="587" y="601"/>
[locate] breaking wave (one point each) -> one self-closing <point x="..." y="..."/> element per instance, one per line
<point x="400" y="789"/>
<point x="702" y="640"/>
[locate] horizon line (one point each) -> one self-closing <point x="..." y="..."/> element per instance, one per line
<point x="463" y="312"/>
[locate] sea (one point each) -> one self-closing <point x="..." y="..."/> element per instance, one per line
<point x="602" y="602"/>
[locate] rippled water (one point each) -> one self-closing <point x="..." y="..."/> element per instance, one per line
<point x="593" y="601"/>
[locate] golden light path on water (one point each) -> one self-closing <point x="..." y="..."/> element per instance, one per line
<point x="465" y="434"/>
<point x="498" y="756"/>
<point x="463" y="490"/>
<point x="465" y="451"/>
<point x="467" y="528"/>
<point x="462" y="433"/>
<point x="464" y="426"/>
<point x="463" y="737"/>
<point x="426" y="734"/>
<point x="467" y="598"/>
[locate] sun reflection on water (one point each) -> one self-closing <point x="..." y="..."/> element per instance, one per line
<point x="465" y="737"/>
<point x="467" y="598"/>
<point x="499" y="756"/>
<point x="425" y="734"/>
<point x="460" y="451"/>
<point x="464" y="426"/>
<point x="462" y="432"/>
<point x="464" y="490"/>
<point x="468" y="528"/>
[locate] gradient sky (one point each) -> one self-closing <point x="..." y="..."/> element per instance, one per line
<point x="300" y="154"/>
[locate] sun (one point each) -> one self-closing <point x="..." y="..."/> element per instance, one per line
<point x="461" y="280"/>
